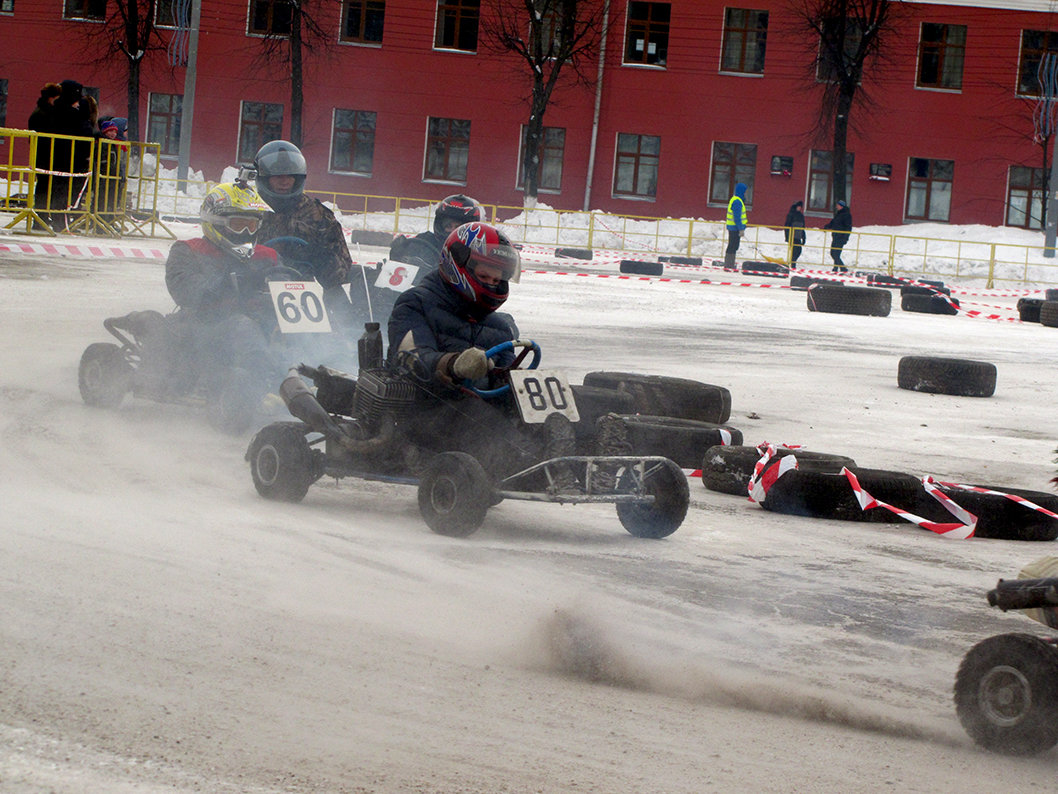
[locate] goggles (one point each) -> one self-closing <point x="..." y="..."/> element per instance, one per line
<point x="242" y="223"/>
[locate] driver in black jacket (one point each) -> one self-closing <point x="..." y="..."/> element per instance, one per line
<point x="438" y="334"/>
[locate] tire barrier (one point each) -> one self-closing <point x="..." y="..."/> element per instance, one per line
<point x="929" y="304"/>
<point x="682" y="441"/>
<point x="728" y="469"/>
<point x="1050" y="295"/>
<point x="660" y="395"/>
<point x="883" y="280"/>
<point x="816" y="494"/>
<point x="574" y="253"/>
<point x="771" y="269"/>
<point x="1029" y="309"/>
<point x="642" y="268"/>
<point x="865" y="301"/>
<point x="920" y="289"/>
<point x="998" y="517"/>
<point x="682" y="260"/>
<point x="956" y="376"/>
<point x="1049" y="313"/>
<point x="802" y="283"/>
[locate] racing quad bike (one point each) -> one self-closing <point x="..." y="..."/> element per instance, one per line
<point x="1006" y="690"/>
<point x="353" y="428"/>
<point x="108" y="372"/>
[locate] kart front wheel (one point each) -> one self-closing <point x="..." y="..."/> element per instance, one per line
<point x="1006" y="694"/>
<point x="667" y="483"/>
<point x="104" y="375"/>
<point x="454" y="494"/>
<point x="281" y="462"/>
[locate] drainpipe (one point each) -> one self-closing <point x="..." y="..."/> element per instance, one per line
<point x="598" y="104"/>
<point x="187" y="104"/>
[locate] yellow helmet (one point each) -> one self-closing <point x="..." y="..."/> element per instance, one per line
<point x="231" y="216"/>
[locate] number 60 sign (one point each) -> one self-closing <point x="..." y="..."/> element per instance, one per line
<point x="299" y="307"/>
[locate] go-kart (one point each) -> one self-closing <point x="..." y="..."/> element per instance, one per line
<point x="356" y="427"/>
<point x="289" y="311"/>
<point x="1006" y="689"/>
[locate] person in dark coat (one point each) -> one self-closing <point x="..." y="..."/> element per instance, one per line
<point x="795" y="225"/>
<point x="73" y="116"/>
<point x="840" y="225"/>
<point x="438" y="333"/>
<point x="424" y="249"/>
<point x="42" y="119"/>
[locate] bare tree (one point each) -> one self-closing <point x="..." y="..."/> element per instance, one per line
<point x="852" y="34"/>
<point x="127" y="32"/>
<point x="558" y="40"/>
<point x="293" y="30"/>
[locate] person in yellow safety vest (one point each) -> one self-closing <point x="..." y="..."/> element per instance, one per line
<point x="736" y="223"/>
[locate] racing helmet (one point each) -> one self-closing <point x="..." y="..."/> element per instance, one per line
<point x="231" y="216"/>
<point x="280" y="158"/>
<point x="459" y="208"/>
<point x="475" y="246"/>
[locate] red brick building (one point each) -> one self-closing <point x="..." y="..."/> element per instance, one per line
<point x="403" y="98"/>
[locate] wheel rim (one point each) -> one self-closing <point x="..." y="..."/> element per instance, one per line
<point x="267" y="465"/>
<point x="443" y="496"/>
<point x="1005" y="696"/>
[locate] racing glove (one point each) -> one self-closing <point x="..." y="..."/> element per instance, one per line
<point x="471" y="364"/>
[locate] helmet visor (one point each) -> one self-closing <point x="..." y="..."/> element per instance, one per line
<point x="242" y="223"/>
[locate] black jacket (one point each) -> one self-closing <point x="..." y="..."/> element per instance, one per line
<point x="431" y="320"/>
<point x="841" y="224"/>
<point x="795" y="219"/>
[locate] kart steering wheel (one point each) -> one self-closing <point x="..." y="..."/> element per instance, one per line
<point x="295" y="243"/>
<point x="527" y="345"/>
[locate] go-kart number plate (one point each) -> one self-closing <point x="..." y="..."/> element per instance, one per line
<point x="299" y="307"/>
<point x="540" y="393"/>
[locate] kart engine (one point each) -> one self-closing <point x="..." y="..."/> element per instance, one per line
<point x="378" y="392"/>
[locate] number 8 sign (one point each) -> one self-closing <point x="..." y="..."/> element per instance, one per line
<point x="299" y="307"/>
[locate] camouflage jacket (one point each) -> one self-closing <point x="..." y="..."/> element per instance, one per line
<point x="326" y="258"/>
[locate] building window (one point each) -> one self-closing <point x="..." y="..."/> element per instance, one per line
<point x="636" y="166"/>
<point x="1025" y="197"/>
<point x="3" y="102"/>
<point x="745" y="34"/>
<point x="549" y="168"/>
<point x="167" y="13"/>
<point x="647" y="35"/>
<point x="1034" y="45"/>
<point x="821" y="180"/>
<point x="259" y="123"/>
<point x="732" y="163"/>
<point x="826" y="68"/>
<point x="7" y="6"/>
<point x="362" y="21"/>
<point x="929" y="189"/>
<point x="447" y="150"/>
<point x="940" y="56"/>
<point x="163" y="122"/>
<point x="270" y="17"/>
<point x="84" y="9"/>
<point x="457" y="25"/>
<point x="353" y="141"/>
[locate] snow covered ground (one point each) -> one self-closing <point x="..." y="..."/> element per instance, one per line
<point x="164" y="629"/>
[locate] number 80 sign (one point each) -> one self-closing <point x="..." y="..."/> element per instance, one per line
<point x="299" y="307"/>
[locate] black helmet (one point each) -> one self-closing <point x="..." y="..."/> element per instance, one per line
<point x="459" y="208"/>
<point x="280" y="158"/>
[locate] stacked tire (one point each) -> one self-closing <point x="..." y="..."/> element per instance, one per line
<point x="865" y="301"/>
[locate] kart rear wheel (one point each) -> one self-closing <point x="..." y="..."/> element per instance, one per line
<point x="1006" y="694"/>
<point x="667" y="483"/>
<point x="454" y="494"/>
<point x="104" y="375"/>
<point x="281" y="462"/>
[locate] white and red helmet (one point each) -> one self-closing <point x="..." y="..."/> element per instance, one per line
<point x="474" y="245"/>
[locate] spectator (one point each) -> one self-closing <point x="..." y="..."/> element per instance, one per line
<point x="840" y="225"/>
<point x="112" y="167"/>
<point x="42" y="119"/>
<point x="73" y="116"/>
<point x="795" y="225"/>
<point x="737" y="219"/>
